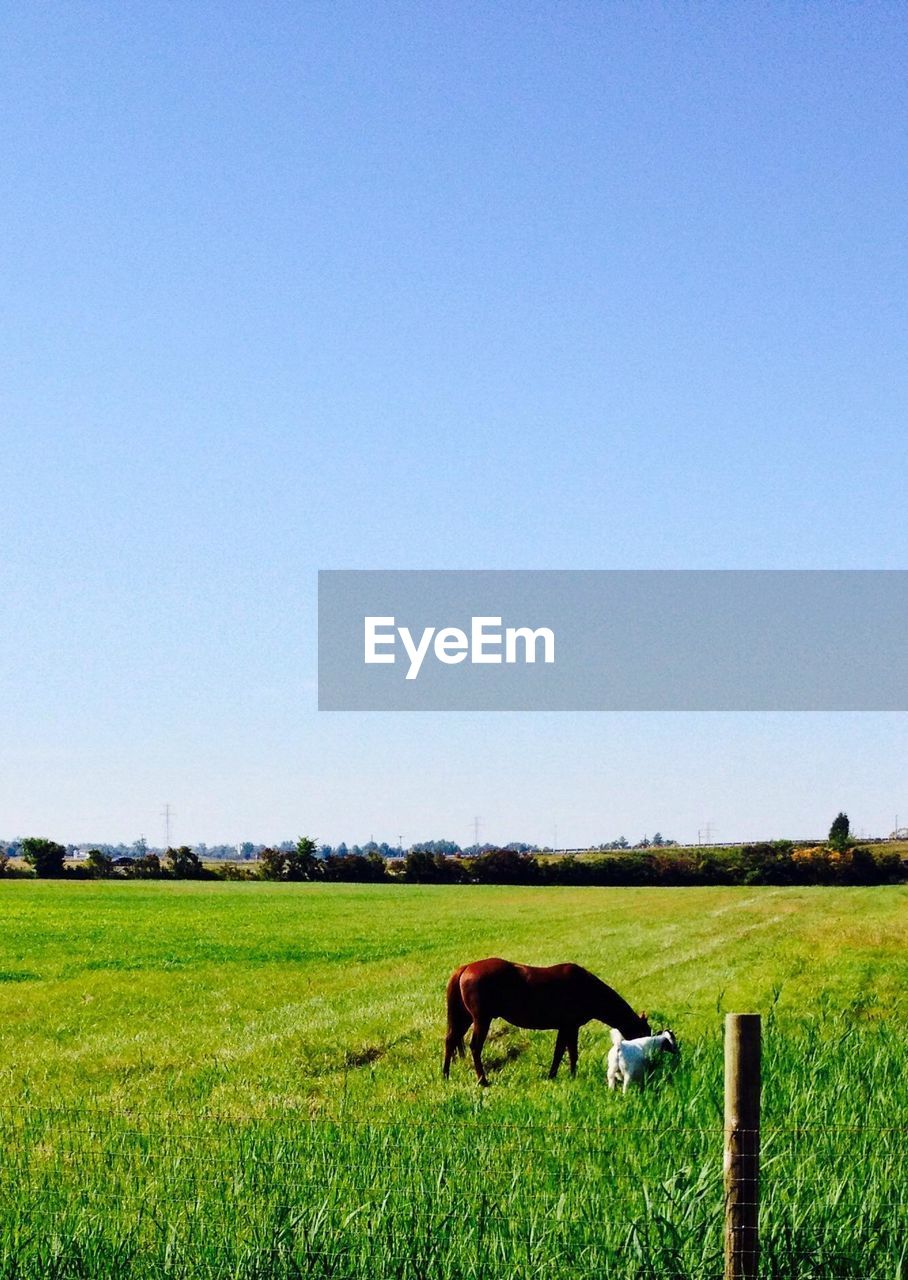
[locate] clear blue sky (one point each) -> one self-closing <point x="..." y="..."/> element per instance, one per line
<point x="297" y="286"/>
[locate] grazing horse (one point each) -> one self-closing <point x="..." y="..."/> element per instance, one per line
<point x="560" y="998"/>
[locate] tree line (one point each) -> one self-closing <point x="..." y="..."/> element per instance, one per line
<point x="838" y="860"/>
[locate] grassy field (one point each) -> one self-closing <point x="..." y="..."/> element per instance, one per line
<point x="243" y="1080"/>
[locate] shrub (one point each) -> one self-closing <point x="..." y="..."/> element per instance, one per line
<point x="355" y="867"/>
<point x="146" y="867"/>
<point x="230" y="871"/>
<point x="272" y="864"/>
<point x="769" y="864"/>
<point x="504" y="866"/>
<point x="423" y="867"/>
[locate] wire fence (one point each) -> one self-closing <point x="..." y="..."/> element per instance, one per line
<point x="383" y="1197"/>
<point x="138" y="1193"/>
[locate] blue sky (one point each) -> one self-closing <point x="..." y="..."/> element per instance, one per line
<point x="302" y="286"/>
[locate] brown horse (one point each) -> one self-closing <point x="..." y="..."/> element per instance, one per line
<point x="561" y="998"/>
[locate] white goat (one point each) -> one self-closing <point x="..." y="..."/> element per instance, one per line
<point x="629" y="1061"/>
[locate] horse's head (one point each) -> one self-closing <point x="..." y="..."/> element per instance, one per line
<point x="634" y="1028"/>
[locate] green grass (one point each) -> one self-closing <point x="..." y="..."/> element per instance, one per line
<point x="243" y="1080"/>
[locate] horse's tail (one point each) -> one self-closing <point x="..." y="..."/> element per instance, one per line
<point x="458" y="1020"/>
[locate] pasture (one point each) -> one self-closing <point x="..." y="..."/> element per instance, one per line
<point x="209" y="1080"/>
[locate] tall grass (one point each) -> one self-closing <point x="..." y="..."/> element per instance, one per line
<point x="296" y="1125"/>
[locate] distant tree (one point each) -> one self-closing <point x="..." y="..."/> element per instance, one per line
<point x="376" y="863"/>
<point x="99" y="863"/>
<point x="140" y="847"/>
<point x="504" y="866"/>
<point x="247" y="850"/>
<point x="302" y="863"/>
<point x="148" y="867"/>
<point x="839" y="832"/>
<point x="272" y="864"/>
<point x="448" y="848"/>
<point x="355" y="867"/>
<point x="4" y="862"/>
<point x="46" y="856"/>
<point x="183" y="864"/>
<point x="422" y="867"/>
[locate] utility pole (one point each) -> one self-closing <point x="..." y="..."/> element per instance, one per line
<point x="167" y="814"/>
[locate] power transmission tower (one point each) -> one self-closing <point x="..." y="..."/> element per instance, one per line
<point x="167" y="814"/>
<point x="476" y="821"/>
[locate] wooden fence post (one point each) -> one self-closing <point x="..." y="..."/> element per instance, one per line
<point x="742" y="1145"/>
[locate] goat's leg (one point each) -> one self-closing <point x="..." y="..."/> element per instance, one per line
<point x="613" y="1071"/>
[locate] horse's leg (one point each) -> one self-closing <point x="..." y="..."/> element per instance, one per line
<point x="572" y="1049"/>
<point x="450" y="1050"/>
<point x="477" y="1040"/>
<point x="453" y="1048"/>
<point x="458" y="1022"/>
<point x="560" y="1045"/>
